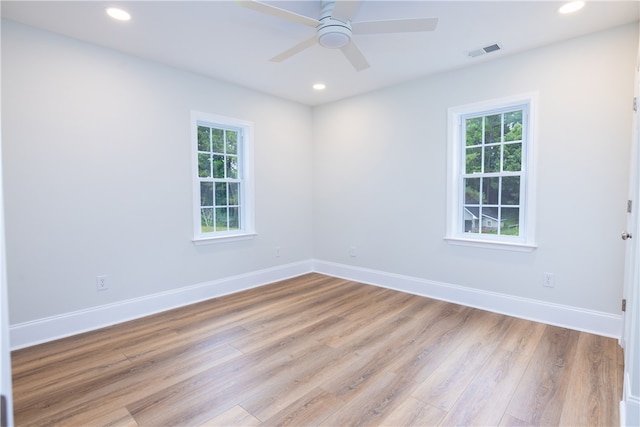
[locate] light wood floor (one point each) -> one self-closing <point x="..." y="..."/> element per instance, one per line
<point x="316" y="350"/>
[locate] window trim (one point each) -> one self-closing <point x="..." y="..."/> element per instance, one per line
<point x="245" y="148"/>
<point x="453" y="235"/>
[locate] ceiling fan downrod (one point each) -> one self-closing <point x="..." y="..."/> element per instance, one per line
<point x="332" y="33"/>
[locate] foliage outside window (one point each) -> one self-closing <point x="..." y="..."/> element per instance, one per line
<point x="222" y="184"/>
<point x="490" y="182"/>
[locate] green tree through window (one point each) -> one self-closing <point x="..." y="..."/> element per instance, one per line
<point x="223" y="185"/>
<point x="492" y="172"/>
<point x="218" y="170"/>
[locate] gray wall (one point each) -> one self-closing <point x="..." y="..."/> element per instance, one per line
<point x="380" y="171"/>
<point x="97" y="173"/>
<point x="96" y="162"/>
<point x="97" y="178"/>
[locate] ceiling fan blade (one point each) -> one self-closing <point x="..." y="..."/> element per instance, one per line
<point x="345" y="9"/>
<point x="276" y="11"/>
<point x="294" y="50"/>
<point x="394" y="26"/>
<point x="354" y="56"/>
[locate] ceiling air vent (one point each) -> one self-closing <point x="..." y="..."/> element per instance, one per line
<point x="482" y="51"/>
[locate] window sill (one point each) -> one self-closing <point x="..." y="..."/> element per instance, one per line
<point x="222" y="239"/>
<point x="489" y="244"/>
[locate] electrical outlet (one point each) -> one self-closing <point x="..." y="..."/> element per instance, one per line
<point x="101" y="283"/>
<point x="277" y="252"/>
<point x="352" y="251"/>
<point x="549" y="280"/>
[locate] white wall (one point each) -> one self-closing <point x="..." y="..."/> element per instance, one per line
<point x="97" y="176"/>
<point x="380" y="174"/>
<point x="96" y="165"/>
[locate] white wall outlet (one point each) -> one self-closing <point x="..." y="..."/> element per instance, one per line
<point x="352" y="252"/>
<point x="549" y="280"/>
<point x="101" y="283"/>
<point x="277" y="251"/>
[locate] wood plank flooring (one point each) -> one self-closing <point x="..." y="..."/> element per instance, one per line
<point x="316" y="350"/>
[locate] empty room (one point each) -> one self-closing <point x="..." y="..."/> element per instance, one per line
<point x="319" y="213"/>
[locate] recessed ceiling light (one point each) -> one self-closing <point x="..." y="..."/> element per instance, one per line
<point x="571" y="7"/>
<point x="119" y="14"/>
<point x="319" y="86"/>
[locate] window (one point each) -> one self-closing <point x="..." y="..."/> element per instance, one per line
<point x="222" y="176"/>
<point x="490" y="183"/>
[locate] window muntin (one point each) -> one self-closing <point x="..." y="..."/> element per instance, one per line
<point x="490" y="185"/>
<point x="222" y="177"/>
<point x="218" y="172"/>
<point x="492" y="173"/>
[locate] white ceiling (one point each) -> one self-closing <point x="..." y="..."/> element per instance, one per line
<point x="224" y="41"/>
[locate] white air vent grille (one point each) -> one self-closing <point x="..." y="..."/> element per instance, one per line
<point x="484" y="50"/>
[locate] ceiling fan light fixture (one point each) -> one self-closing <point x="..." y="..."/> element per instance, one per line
<point x="334" y="36"/>
<point x="334" y="28"/>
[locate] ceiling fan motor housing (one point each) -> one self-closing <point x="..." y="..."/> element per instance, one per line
<point x="334" y="34"/>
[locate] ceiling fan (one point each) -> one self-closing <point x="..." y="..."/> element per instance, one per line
<point x="334" y="29"/>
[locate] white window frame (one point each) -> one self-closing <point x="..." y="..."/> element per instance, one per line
<point x="455" y="192"/>
<point x="245" y="166"/>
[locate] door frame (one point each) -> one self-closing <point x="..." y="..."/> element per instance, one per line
<point x="6" y="396"/>
<point x="631" y="246"/>
<point x="630" y="403"/>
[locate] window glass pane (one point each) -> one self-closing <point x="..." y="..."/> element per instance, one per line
<point x="489" y="171"/>
<point x="490" y="223"/>
<point x="472" y="191"/>
<point x="204" y="143"/>
<point x="492" y="129"/>
<point x="218" y="166"/>
<point x="206" y="220"/>
<point x="490" y="190"/>
<point x="511" y="221"/>
<point x="512" y="157"/>
<point x="234" y="193"/>
<point x="513" y="126"/>
<point x="473" y="129"/>
<point x="204" y="165"/>
<point x="492" y="158"/>
<point x="511" y="190"/>
<point x="217" y="138"/>
<point x="221" y="219"/>
<point x="234" y="218"/>
<point x="206" y="194"/>
<point x="232" y="167"/>
<point x="471" y="219"/>
<point x="221" y="180"/>
<point x="221" y="194"/>
<point x="232" y="142"/>
<point x="473" y="160"/>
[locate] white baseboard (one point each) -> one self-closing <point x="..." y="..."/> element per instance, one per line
<point x="599" y="323"/>
<point x="629" y="406"/>
<point x="64" y="325"/>
<point x="67" y="324"/>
